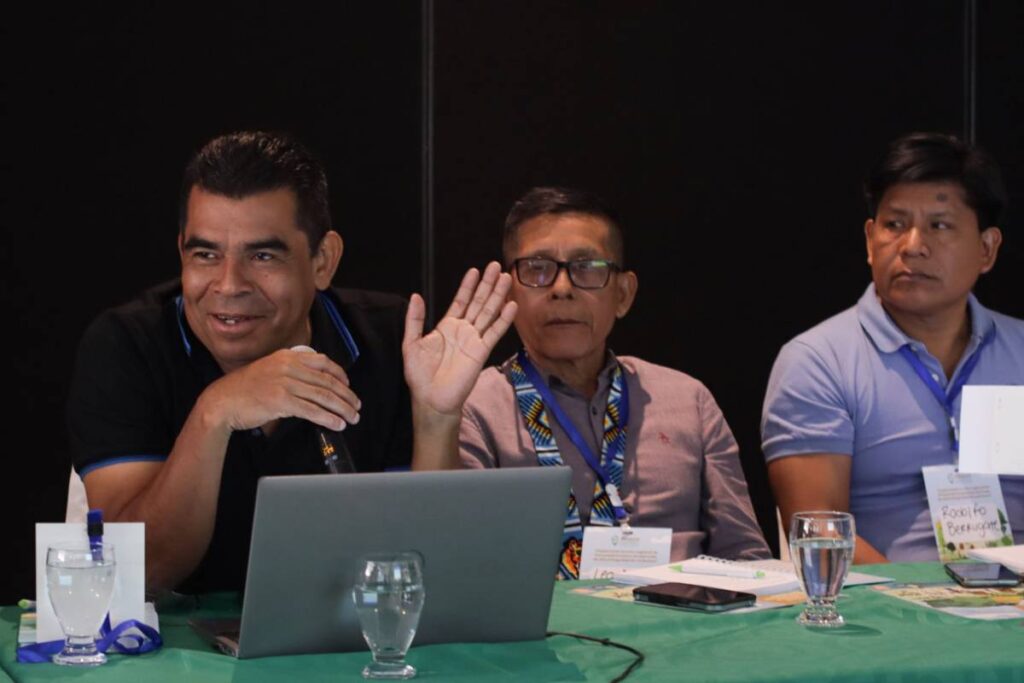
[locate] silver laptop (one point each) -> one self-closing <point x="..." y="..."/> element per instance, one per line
<point x="490" y="541"/>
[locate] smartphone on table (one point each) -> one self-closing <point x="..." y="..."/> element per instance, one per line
<point x="982" y="574"/>
<point x="688" y="596"/>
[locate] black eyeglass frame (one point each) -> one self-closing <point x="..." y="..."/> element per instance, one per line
<point x="568" y="266"/>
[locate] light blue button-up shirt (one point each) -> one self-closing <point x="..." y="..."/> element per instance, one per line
<point x="843" y="387"/>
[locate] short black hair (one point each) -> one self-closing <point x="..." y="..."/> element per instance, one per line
<point x="935" y="157"/>
<point x="239" y="165"/>
<point x="539" y="201"/>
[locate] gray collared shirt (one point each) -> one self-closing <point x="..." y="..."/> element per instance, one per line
<point x="843" y="387"/>
<point x="681" y="468"/>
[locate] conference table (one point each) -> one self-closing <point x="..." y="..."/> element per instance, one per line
<point x="885" y="639"/>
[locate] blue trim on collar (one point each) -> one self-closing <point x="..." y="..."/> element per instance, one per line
<point x="181" y="324"/>
<point x="339" y="324"/>
<point x="118" y="460"/>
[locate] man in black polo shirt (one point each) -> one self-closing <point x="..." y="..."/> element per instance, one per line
<point x="184" y="397"/>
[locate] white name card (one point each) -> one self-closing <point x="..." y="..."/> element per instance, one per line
<point x="608" y="551"/>
<point x="967" y="511"/>
<point x="992" y="429"/>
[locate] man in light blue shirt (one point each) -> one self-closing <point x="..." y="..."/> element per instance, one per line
<point x="849" y="420"/>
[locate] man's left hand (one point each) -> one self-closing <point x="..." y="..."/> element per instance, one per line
<point x="442" y="367"/>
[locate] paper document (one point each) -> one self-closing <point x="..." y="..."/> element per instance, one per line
<point x="776" y="576"/>
<point x="852" y="579"/>
<point x="1011" y="556"/>
<point x="988" y="604"/>
<point x="991" y="430"/>
<point x="715" y="573"/>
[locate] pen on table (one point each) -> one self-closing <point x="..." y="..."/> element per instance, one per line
<point x="94" y="528"/>
<point x="738" y="572"/>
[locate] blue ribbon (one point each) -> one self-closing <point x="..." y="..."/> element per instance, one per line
<point x="570" y="429"/>
<point x="114" y="640"/>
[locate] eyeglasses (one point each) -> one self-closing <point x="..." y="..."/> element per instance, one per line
<point x="537" y="271"/>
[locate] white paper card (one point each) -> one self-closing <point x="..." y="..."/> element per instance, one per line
<point x="967" y="511"/>
<point x="992" y="429"/>
<point x="608" y="551"/>
<point x="129" y="541"/>
<point x="1011" y="555"/>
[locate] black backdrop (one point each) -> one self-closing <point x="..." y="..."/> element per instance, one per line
<point x="732" y="137"/>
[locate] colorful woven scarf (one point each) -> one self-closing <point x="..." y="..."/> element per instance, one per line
<point x="613" y="449"/>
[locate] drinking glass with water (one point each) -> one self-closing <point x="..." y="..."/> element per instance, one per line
<point x="821" y="545"/>
<point x="388" y="594"/>
<point x="80" y="583"/>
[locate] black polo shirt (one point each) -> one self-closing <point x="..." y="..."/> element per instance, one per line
<point x="140" y="370"/>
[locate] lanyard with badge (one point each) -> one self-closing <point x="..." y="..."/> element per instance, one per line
<point x="967" y="510"/>
<point x="606" y="548"/>
<point x="600" y="469"/>
<point x="946" y="398"/>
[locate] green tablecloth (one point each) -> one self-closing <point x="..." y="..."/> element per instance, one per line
<point x="886" y="640"/>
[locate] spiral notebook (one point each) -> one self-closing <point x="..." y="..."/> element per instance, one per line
<point x="760" y="577"/>
<point x="714" y="572"/>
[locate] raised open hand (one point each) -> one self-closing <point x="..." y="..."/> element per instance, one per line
<point x="442" y="366"/>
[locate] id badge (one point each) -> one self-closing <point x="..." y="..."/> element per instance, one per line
<point x="608" y="551"/>
<point x="967" y="511"/>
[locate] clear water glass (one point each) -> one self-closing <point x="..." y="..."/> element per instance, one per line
<point x="80" y="583"/>
<point x="821" y="545"/>
<point x="388" y="593"/>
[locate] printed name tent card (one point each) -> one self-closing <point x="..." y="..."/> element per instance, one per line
<point x="608" y="551"/>
<point x="967" y="511"/>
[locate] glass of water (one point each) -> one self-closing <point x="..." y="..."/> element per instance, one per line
<point x="388" y="593"/>
<point x="821" y="545"/>
<point x="80" y="583"/>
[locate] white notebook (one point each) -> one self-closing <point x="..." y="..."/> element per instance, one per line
<point x="852" y="578"/>
<point x="714" y="572"/>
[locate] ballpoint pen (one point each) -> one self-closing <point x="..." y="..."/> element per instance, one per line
<point x="94" y="528"/>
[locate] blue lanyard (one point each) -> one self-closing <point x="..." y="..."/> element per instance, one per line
<point x="111" y="640"/>
<point x="574" y="435"/>
<point x="946" y="399"/>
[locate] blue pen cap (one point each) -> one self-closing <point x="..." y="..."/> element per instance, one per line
<point x="94" y="524"/>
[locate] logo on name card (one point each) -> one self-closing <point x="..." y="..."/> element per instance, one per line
<point x="967" y="511"/>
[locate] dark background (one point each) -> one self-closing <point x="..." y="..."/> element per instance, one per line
<point x="731" y="136"/>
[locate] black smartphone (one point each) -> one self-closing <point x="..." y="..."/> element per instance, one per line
<point x="982" y="574"/>
<point x="688" y="596"/>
